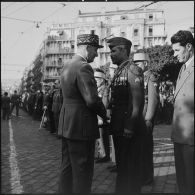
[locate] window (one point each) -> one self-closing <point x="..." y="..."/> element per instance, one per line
<point x="150" y="16"/>
<point x="124" y="17"/>
<point x="122" y="34"/>
<point x="81" y="32"/>
<point x="135" y="47"/>
<point x="135" y="32"/>
<point x="150" y="31"/>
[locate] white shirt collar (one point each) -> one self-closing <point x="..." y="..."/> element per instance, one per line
<point x="189" y="61"/>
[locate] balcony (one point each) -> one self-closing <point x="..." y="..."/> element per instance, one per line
<point x="67" y="50"/>
<point x="154" y="21"/>
<point x="59" y="38"/>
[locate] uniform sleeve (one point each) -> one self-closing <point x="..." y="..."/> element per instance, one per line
<point x="88" y="89"/>
<point x="153" y="98"/>
<point x="136" y="99"/>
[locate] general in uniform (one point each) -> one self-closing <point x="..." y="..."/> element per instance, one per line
<point x="151" y="89"/>
<point x="127" y="102"/>
<point x="78" y="124"/>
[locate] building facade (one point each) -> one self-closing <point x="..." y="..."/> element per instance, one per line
<point x="144" y="27"/>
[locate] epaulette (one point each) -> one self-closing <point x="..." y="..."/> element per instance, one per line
<point x="136" y="70"/>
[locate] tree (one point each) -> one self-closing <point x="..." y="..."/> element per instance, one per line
<point x="162" y="62"/>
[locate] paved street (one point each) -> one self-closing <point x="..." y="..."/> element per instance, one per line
<point x="30" y="160"/>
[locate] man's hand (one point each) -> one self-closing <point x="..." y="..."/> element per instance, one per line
<point x="128" y="133"/>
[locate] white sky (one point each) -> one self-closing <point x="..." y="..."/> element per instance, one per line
<point x="20" y="41"/>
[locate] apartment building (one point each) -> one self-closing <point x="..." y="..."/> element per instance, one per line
<point x="144" y="27"/>
<point x="57" y="47"/>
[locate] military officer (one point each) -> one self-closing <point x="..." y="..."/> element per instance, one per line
<point x="183" y="116"/>
<point x="127" y="102"/>
<point x="151" y="88"/>
<point x="78" y="124"/>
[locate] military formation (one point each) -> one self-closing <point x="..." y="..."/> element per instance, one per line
<point x="87" y="109"/>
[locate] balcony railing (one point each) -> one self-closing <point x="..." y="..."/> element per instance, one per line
<point x="59" y="51"/>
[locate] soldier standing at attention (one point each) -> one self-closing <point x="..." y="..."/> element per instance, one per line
<point x="127" y="102"/>
<point x="78" y="123"/>
<point x="151" y="88"/>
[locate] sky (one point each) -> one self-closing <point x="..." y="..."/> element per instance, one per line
<point x="21" y="40"/>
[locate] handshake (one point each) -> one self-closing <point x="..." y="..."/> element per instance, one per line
<point x="103" y="122"/>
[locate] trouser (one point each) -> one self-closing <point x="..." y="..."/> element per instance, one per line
<point x="56" y="120"/>
<point x="147" y="166"/>
<point x="77" y="166"/>
<point x="17" y="108"/>
<point x="6" y="113"/>
<point x="184" y="165"/>
<point x="128" y="160"/>
<point x="51" y="121"/>
<point x="106" y="142"/>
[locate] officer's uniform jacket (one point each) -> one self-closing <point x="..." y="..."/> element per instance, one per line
<point x="81" y="103"/>
<point x="151" y="90"/>
<point x="127" y="99"/>
<point x="57" y="101"/>
<point x="183" y="117"/>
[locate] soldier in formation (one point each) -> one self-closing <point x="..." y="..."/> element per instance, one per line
<point x="15" y="102"/>
<point x="151" y="88"/>
<point x="57" y="104"/>
<point x="5" y="102"/>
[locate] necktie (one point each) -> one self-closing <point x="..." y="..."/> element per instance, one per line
<point x="182" y="70"/>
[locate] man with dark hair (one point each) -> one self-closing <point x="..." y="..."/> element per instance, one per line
<point x="78" y="123"/>
<point x="127" y="101"/>
<point x="183" y="116"/>
<point x="15" y="100"/>
<point x="5" y="102"/>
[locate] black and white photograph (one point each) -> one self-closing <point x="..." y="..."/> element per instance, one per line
<point x="97" y="97"/>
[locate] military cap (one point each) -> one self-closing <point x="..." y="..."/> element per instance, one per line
<point x="89" y="39"/>
<point x="118" y="41"/>
<point x="140" y="57"/>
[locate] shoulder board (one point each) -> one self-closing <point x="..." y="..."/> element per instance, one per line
<point x="136" y="70"/>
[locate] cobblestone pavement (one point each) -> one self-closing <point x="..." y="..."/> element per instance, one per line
<point x="30" y="160"/>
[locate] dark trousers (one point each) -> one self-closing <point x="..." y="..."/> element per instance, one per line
<point x="77" y="166"/>
<point x="17" y="108"/>
<point x="184" y="165"/>
<point x="51" y="121"/>
<point x="147" y="166"/>
<point x="6" y="113"/>
<point x="106" y="142"/>
<point x="56" y="120"/>
<point x="128" y="160"/>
